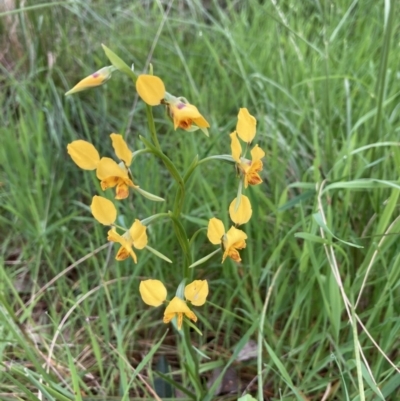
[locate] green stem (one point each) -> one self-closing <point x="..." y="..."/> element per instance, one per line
<point x="155" y="148"/>
<point x="192" y="362"/>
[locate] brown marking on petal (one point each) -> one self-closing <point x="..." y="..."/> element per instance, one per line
<point x="234" y="255"/>
<point x="254" y="179"/>
<point x="185" y="124"/>
<point x="180" y="106"/>
<point x="122" y="254"/>
<point x="95" y="75"/>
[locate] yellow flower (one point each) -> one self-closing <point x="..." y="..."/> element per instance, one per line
<point x="246" y="125"/>
<point x="231" y="241"/>
<point x="135" y="237"/>
<point x="154" y="293"/>
<point x="151" y="89"/>
<point x="110" y="174"/>
<point x="185" y="115"/>
<point x="113" y="175"/>
<point x="248" y="168"/>
<point x="240" y="213"/>
<point x="97" y="78"/>
<point x="104" y="212"/>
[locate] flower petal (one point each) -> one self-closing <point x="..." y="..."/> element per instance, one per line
<point x="122" y="190"/>
<point x="235" y="147"/>
<point x="246" y="125"/>
<point x="95" y="79"/>
<point x="186" y="115"/>
<point x="196" y="292"/>
<point x="121" y="149"/>
<point x="84" y="154"/>
<point x="178" y="307"/>
<point x="151" y="89"/>
<point x="201" y="122"/>
<point x="257" y="153"/>
<point x="124" y="253"/>
<point x="103" y="210"/>
<point x="109" y="168"/>
<point x="243" y="213"/>
<point x="138" y="234"/>
<point x="236" y="238"/>
<point x="126" y="245"/>
<point x="215" y="231"/>
<point x="153" y="292"/>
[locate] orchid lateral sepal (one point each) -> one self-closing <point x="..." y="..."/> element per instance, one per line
<point x="209" y="256"/>
<point x="148" y="195"/>
<point x="118" y="63"/>
<point x="225" y="158"/>
<point x="158" y="254"/>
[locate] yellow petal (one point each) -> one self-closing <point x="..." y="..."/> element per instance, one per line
<point x="109" y="168"/>
<point x="185" y="115"/>
<point x="201" y="122"/>
<point x="121" y="149"/>
<point x="196" y="292"/>
<point x="177" y="307"/>
<point x="246" y="125"/>
<point x="215" y="231"/>
<point x="122" y="190"/>
<point x="84" y="154"/>
<point x="153" y="292"/>
<point x="257" y="153"/>
<point x="125" y="242"/>
<point x="235" y="147"/>
<point x="243" y="213"/>
<point x="236" y="238"/>
<point x="151" y="89"/>
<point x="123" y="253"/>
<point x="233" y="240"/>
<point x="95" y="79"/>
<point x="138" y="234"/>
<point x="252" y="177"/>
<point x="103" y="210"/>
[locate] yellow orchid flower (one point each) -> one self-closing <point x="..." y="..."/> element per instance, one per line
<point x="185" y="115"/>
<point x="154" y="293"/>
<point x="240" y="213"/>
<point x="231" y="241"/>
<point x="113" y="175"/>
<point x="110" y="173"/>
<point x="248" y="168"/>
<point x="151" y="89"/>
<point x="97" y="78"/>
<point x="246" y="125"/>
<point x="104" y="212"/>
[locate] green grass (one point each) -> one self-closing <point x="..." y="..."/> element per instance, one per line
<point x="322" y="80"/>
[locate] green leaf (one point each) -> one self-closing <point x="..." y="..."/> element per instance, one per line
<point x="118" y="63"/>
<point x="246" y="397"/>
<point x="202" y="260"/>
<point x="318" y="218"/>
<point x="163" y="388"/>
<point x="158" y="254"/>
<point x="148" y="195"/>
<point x="311" y="237"/>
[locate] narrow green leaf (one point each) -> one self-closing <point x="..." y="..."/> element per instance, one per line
<point x="318" y="218"/>
<point x="118" y="63"/>
<point x="148" y="195"/>
<point x="202" y="260"/>
<point x="311" y="237"/>
<point x="158" y="254"/>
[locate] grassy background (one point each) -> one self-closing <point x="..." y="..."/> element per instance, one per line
<point x="322" y="80"/>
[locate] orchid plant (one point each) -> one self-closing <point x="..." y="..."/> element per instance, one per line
<point x="117" y="174"/>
